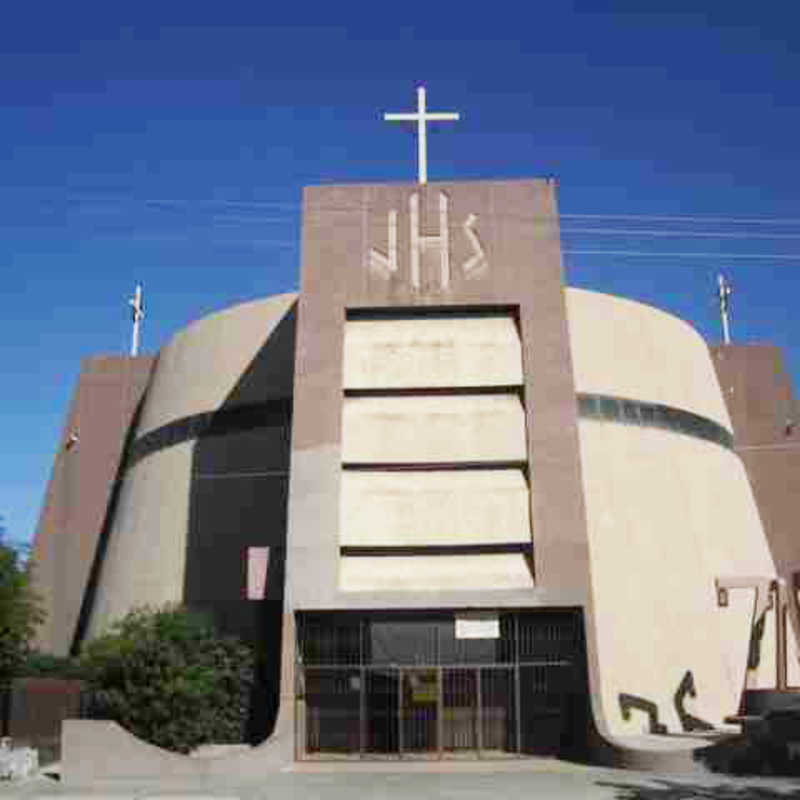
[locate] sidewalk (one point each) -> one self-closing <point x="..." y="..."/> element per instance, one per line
<point x="533" y="778"/>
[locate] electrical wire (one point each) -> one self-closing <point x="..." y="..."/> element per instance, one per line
<point x="651" y="253"/>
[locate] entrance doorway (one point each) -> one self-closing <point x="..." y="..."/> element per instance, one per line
<point x="403" y="685"/>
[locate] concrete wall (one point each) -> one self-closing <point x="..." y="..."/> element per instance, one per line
<point x="434" y="507"/>
<point x="766" y="424"/>
<point x="211" y="450"/>
<point x="431" y="429"/>
<point x="463" y="364"/>
<point x="145" y="561"/>
<point x="432" y="352"/>
<point x="448" y="506"/>
<point x="81" y="487"/>
<point x="203" y="363"/>
<point x="667" y="513"/>
<point x="627" y="349"/>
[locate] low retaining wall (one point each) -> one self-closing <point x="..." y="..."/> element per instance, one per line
<point x="100" y="753"/>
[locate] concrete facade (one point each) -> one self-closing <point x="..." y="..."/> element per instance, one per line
<point x="82" y="491"/>
<point x="655" y="525"/>
<point x="355" y="314"/>
<point x="766" y="423"/>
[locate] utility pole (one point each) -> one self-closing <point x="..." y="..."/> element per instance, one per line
<point x="137" y="305"/>
<point x="724" y="296"/>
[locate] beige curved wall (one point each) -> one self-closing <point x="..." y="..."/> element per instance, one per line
<point x="202" y="363"/>
<point x="146" y="556"/>
<point x="628" y="349"/>
<point x="667" y="514"/>
<point x="145" y="559"/>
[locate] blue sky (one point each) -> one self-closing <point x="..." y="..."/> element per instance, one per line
<point x="167" y="143"/>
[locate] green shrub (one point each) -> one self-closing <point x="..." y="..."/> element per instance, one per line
<point x="46" y="665"/>
<point x="20" y="610"/>
<point x="167" y="677"/>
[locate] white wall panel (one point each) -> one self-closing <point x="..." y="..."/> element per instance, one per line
<point x="434" y="573"/>
<point x="439" y="507"/>
<point x="433" y="428"/>
<point x="432" y="352"/>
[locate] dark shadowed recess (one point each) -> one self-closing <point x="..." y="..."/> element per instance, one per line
<point x="238" y="499"/>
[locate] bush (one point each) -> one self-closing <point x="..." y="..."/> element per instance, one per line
<point x="45" y="665"/>
<point x="167" y="677"/>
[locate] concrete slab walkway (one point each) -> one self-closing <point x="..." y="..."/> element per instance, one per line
<point x="532" y="778"/>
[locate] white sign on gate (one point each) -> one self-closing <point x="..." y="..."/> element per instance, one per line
<point x="478" y="626"/>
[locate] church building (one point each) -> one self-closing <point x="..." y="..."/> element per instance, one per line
<point x="462" y="508"/>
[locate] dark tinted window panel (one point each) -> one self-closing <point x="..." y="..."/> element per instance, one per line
<point x="653" y="415"/>
<point x="258" y="450"/>
<point x="252" y="509"/>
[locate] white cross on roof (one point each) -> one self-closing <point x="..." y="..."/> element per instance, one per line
<point x="422" y="117"/>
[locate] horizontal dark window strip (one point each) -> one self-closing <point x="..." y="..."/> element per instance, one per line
<point x="272" y="413"/>
<point x="434" y="390"/>
<point x="430" y="312"/>
<point x="652" y="415"/>
<point x="437" y="549"/>
<point x="432" y="466"/>
<point x="268" y="474"/>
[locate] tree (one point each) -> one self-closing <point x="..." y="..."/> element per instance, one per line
<point x="20" y="609"/>
<point x="170" y="679"/>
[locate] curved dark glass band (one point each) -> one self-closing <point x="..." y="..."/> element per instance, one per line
<point x="270" y="414"/>
<point x="652" y="415"/>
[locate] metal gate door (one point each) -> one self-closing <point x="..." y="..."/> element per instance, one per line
<point x="533" y="699"/>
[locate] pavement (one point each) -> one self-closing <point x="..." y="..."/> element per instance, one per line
<point x="532" y="778"/>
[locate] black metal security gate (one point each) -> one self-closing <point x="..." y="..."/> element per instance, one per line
<point x="398" y="685"/>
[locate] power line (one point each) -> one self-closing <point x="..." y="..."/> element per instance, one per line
<point x="689" y="218"/>
<point x="720" y="256"/>
<point x="294" y="206"/>
<point x="679" y="233"/>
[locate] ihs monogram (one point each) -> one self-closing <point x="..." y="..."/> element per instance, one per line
<point x="422" y="245"/>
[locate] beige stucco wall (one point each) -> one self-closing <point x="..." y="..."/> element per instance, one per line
<point x="445" y="506"/>
<point x="628" y="349"/>
<point x="146" y="556"/>
<point x="433" y="429"/>
<point x="201" y="364"/>
<point x="145" y="560"/>
<point x="666" y="514"/>
<point x="438" y="507"/>
<point x="432" y="352"/>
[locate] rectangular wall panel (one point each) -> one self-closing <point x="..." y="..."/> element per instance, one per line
<point x="426" y="352"/>
<point x="388" y="509"/>
<point x="433" y="429"/>
<point x="434" y="573"/>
